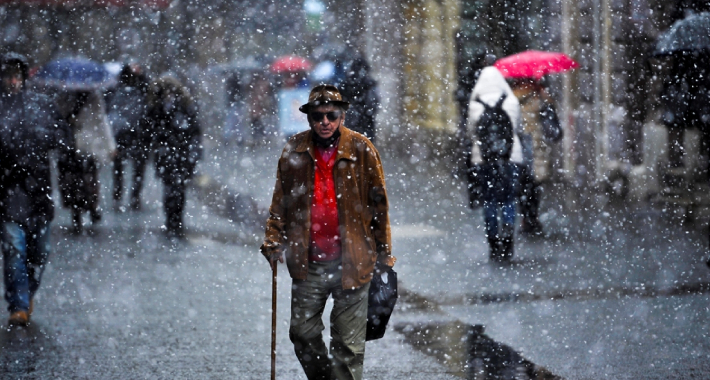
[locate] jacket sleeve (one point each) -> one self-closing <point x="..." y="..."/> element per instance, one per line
<point x="380" y="205"/>
<point x="274" y="234"/>
<point x="62" y="130"/>
<point x="195" y="136"/>
<point x="104" y="126"/>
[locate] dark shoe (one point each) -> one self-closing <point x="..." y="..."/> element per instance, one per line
<point x="19" y="318"/>
<point x="507" y="249"/>
<point x="496" y="250"/>
<point x="135" y="204"/>
<point x="95" y="216"/>
<point x="77" y="229"/>
<point x="502" y="251"/>
<point x="507" y="238"/>
<point x="531" y="227"/>
<point x="76" y="222"/>
<point x="175" y="233"/>
<point x="708" y="263"/>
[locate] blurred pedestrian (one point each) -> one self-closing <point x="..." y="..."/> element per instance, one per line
<point x="93" y="147"/>
<point x="260" y="102"/>
<point x="236" y="128"/>
<point x="30" y="127"/>
<point x="537" y="141"/>
<point x="686" y="101"/>
<point x="177" y="146"/>
<point x="329" y="218"/>
<point x="494" y="120"/>
<point x="293" y="89"/>
<point x="361" y="89"/>
<point x="468" y="71"/>
<point x="127" y="111"/>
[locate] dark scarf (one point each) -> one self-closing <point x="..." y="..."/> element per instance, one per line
<point x="326" y="143"/>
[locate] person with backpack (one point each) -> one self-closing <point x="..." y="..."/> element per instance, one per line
<point x="494" y="119"/>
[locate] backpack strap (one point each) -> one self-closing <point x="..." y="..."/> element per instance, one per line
<point x="498" y="104"/>
<point x="478" y="99"/>
<point x="500" y="101"/>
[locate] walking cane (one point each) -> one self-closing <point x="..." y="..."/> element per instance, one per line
<point x="273" y="320"/>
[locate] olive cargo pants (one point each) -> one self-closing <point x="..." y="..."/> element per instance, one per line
<point x="348" y="322"/>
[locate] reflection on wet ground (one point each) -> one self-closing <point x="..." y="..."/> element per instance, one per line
<point x="469" y="352"/>
<point x="463" y="348"/>
<point x="23" y="350"/>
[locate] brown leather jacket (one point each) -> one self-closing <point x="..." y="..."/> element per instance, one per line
<point x="362" y="207"/>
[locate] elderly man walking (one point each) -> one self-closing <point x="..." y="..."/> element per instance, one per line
<point x="329" y="218"/>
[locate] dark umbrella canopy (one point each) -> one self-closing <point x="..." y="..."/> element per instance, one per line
<point x="77" y="74"/>
<point x="689" y="34"/>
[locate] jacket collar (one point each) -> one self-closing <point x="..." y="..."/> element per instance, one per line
<point x="345" y="144"/>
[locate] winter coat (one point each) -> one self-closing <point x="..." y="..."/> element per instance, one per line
<point x="686" y="92"/>
<point x="489" y="88"/>
<point x="30" y="127"/>
<point x="537" y="155"/>
<point x="127" y="110"/>
<point x="361" y="91"/>
<point x="92" y="132"/>
<point x="362" y="207"/>
<point x="176" y="139"/>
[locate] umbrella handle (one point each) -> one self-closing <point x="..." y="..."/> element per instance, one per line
<point x="273" y="320"/>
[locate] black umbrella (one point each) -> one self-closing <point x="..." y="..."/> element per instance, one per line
<point x="689" y="34"/>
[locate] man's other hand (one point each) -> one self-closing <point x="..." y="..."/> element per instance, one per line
<point x="381" y="268"/>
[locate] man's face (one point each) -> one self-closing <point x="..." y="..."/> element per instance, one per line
<point x="319" y="118"/>
<point x="12" y="80"/>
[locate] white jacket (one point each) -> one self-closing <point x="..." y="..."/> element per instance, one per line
<point x="489" y="87"/>
<point x="93" y="135"/>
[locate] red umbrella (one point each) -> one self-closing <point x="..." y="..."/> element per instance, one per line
<point x="289" y="64"/>
<point x="534" y="64"/>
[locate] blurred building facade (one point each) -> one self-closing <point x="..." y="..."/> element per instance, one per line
<point x="609" y="106"/>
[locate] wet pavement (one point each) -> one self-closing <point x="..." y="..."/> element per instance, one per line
<point x="123" y="302"/>
<point x="609" y="292"/>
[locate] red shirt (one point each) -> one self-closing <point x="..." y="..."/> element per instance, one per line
<point x="325" y="232"/>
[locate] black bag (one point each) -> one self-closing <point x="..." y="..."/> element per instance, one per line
<point x="382" y="298"/>
<point x="495" y="132"/>
<point x="551" y="129"/>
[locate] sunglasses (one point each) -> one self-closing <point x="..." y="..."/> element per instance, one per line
<point x="332" y="115"/>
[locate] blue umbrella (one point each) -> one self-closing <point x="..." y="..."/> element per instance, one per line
<point x="78" y="74"/>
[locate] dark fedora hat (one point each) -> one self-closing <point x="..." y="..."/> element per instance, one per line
<point x="324" y="94"/>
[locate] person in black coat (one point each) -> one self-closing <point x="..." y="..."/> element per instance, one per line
<point x="127" y="110"/>
<point x="30" y="127"/>
<point x="177" y="146"/>
<point x="361" y="90"/>
<point x="93" y="146"/>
